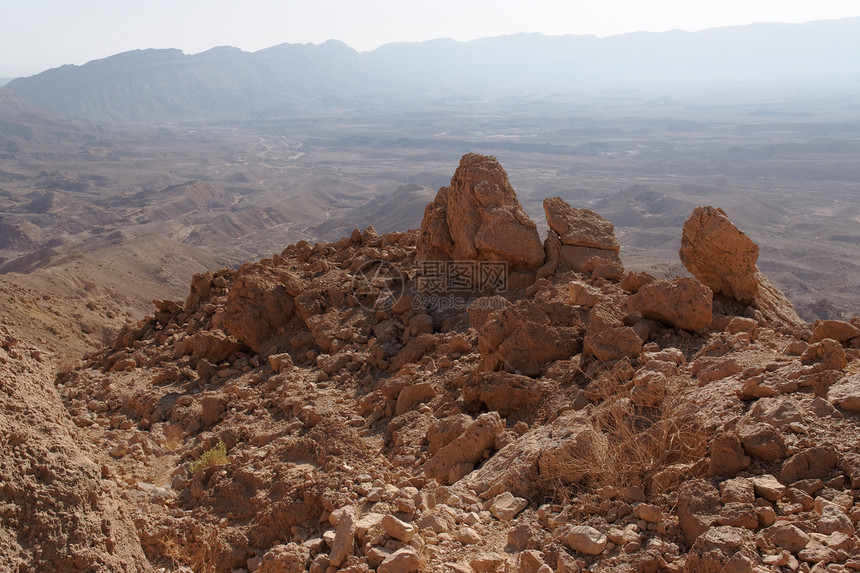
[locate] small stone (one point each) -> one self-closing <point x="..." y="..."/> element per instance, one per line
<point x="647" y="512"/>
<point x="467" y="536"/>
<point x="736" y="514"/>
<point x="833" y="520"/>
<point x="344" y="537"/>
<point x="280" y="362"/>
<point x="781" y="559"/>
<point x="738" y="490"/>
<point x="505" y="506"/>
<point x="404" y="560"/>
<point x="766" y="516"/>
<point x="367" y="521"/>
<point x="786" y="536"/>
<point x="376" y="555"/>
<point x="845" y="394"/>
<point x="727" y="455"/>
<point x="398" y="529"/>
<point x="529" y="561"/>
<point x="586" y="540"/>
<point x="519" y="537"/>
<point x="434" y="523"/>
<point x="768" y="487"/>
<point x="622" y="537"/>
<point x="487" y="562"/>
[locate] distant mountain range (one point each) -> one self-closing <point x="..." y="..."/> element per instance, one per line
<point x="227" y="83"/>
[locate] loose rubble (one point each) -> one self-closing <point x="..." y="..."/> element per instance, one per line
<point x="583" y="418"/>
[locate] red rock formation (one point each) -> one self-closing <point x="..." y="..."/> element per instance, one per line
<point x="478" y="217"/>
<point x="724" y="259"/>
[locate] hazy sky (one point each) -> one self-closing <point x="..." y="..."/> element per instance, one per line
<point x="39" y="34"/>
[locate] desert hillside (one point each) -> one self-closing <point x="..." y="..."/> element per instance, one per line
<point x="459" y="397"/>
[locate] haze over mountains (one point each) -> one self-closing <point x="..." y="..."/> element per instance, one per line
<point x="146" y="167"/>
<point x="224" y="82"/>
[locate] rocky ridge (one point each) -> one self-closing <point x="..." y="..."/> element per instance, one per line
<point x="581" y="417"/>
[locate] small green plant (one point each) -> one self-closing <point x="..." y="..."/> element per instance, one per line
<point x="215" y="456"/>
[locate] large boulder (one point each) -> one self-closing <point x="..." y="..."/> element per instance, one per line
<point x="580" y="227"/>
<point x="719" y="254"/>
<point x="258" y="305"/>
<point x="723" y="258"/>
<point x="681" y="302"/>
<point x="479" y="218"/>
<point x="459" y="457"/>
<point x="838" y="330"/>
<point x="606" y="336"/>
<point x="586" y="239"/>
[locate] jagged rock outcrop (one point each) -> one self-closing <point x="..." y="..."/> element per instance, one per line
<point x="478" y="218"/>
<point x="724" y="259"/>
<point x="587" y="239"/>
<point x="719" y="254"/>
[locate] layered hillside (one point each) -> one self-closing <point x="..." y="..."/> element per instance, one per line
<point x="468" y="397"/>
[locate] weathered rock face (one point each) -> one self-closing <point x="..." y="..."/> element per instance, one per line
<point x="587" y="240"/>
<point x="724" y="259"/>
<point x="580" y="227"/>
<point x="525" y="336"/>
<point x="719" y="254"/>
<point x="257" y="306"/>
<point x="478" y="218"/>
<point x="682" y="302"/>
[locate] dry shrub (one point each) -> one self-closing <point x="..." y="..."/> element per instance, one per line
<point x="215" y="456"/>
<point x="625" y="444"/>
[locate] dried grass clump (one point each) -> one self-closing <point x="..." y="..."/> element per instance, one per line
<point x="216" y="456"/>
<point x="626" y="444"/>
